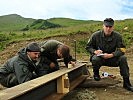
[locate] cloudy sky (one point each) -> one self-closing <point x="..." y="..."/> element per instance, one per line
<point x="75" y="9"/>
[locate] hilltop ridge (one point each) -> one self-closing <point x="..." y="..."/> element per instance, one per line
<point x="15" y="22"/>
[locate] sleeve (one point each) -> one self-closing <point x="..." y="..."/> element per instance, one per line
<point x="47" y="47"/>
<point x="121" y="49"/>
<point x="91" y="44"/>
<point x="42" y="68"/>
<point x="22" y="72"/>
<point x="3" y="70"/>
<point x="68" y="59"/>
<point x="45" y="56"/>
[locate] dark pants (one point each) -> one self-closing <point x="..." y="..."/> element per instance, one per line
<point x="121" y="61"/>
<point x="9" y="80"/>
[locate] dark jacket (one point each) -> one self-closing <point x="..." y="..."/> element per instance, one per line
<point x="49" y="50"/>
<point x="111" y="44"/>
<point x="22" y="67"/>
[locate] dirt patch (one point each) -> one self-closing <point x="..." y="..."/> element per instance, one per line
<point x="81" y="94"/>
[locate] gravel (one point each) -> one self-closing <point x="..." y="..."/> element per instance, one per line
<point x="80" y="94"/>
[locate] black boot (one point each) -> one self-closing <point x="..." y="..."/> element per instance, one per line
<point x="126" y="84"/>
<point x="96" y="75"/>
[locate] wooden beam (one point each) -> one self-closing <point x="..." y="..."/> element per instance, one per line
<point x="43" y="86"/>
<point x="73" y="84"/>
<point x="63" y="84"/>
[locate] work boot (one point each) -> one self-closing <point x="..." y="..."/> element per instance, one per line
<point x="127" y="85"/>
<point x="96" y="75"/>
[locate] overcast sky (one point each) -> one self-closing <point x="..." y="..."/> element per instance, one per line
<point x="75" y="9"/>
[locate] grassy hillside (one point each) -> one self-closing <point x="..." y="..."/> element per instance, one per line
<point x="10" y="37"/>
<point x="56" y="23"/>
<point x="41" y="24"/>
<point x="125" y="27"/>
<point x="13" y="22"/>
<point x="72" y="27"/>
<point x="70" y="22"/>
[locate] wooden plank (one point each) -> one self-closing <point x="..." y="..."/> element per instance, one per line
<point x="63" y="84"/>
<point x="23" y="88"/>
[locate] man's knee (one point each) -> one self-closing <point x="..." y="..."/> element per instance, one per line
<point x="123" y="58"/>
<point x="9" y="80"/>
<point x="95" y="60"/>
<point x="2" y="80"/>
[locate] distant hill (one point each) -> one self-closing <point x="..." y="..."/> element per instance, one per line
<point x="70" y="22"/>
<point x="40" y="24"/>
<point x="56" y="22"/>
<point x="13" y="22"/>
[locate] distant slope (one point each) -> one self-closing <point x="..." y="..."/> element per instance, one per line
<point x="56" y="22"/>
<point x="13" y="22"/>
<point x="70" y="22"/>
<point x="41" y="24"/>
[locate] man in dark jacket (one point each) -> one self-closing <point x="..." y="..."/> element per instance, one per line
<point x="26" y="65"/>
<point x="53" y="50"/>
<point x="107" y="49"/>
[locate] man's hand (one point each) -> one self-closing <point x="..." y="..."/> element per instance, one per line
<point x="52" y="65"/>
<point x="97" y="52"/>
<point x="107" y="56"/>
<point x="73" y="63"/>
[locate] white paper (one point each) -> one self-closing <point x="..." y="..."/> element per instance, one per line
<point x="100" y="54"/>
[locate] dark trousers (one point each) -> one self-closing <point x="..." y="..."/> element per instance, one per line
<point x="9" y="80"/>
<point x="121" y="61"/>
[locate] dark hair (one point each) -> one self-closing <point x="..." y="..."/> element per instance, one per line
<point x="64" y="50"/>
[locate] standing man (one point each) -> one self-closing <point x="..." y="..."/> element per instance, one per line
<point x="53" y="50"/>
<point x="107" y="49"/>
<point x="26" y="65"/>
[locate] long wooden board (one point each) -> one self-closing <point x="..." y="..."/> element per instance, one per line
<point x="39" y="88"/>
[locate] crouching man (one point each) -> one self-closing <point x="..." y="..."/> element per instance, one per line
<point x="107" y="49"/>
<point x="26" y="65"/>
<point x="52" y="50"/>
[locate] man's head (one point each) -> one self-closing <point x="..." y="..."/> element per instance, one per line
<point x="63" y="51"/>
<point x="33" y="50"/>
<point x="108" y="24"/>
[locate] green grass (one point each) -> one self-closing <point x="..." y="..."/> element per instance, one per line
<point x="10" y="37"/>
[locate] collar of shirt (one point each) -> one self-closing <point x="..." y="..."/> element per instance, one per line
<point x="107" y="38"/>
<point x="35" y="62"/>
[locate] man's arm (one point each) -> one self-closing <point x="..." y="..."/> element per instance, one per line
<point x="22" y="72"/>
<point x="91" y="44"/>
<point x="69" y="59"/>
<point x="120" y="49"/>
